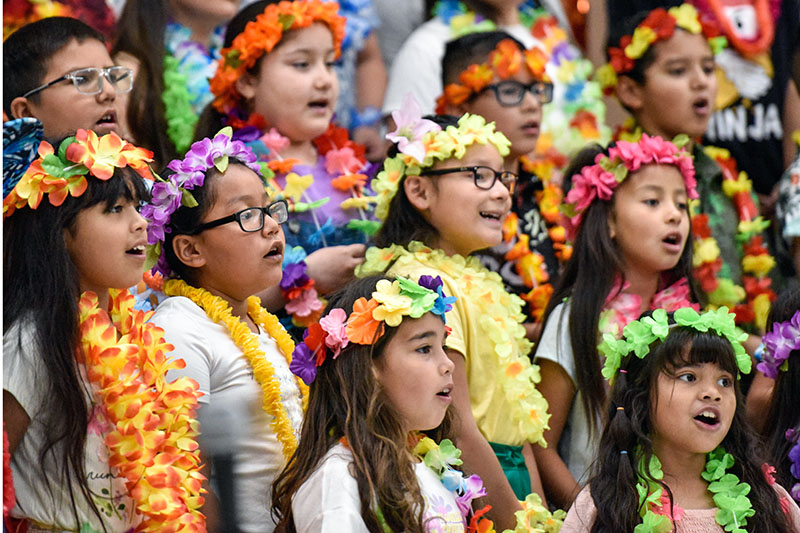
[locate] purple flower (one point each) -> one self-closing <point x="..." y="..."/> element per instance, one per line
<point x="430" y="282"/>
<point x="796" y="492"/>
<point x="165" y="200"/>
<point x="473" y="488"/>
<point x="294" y="275"/>
<point x="779" y="344"/>
<point x="794" y="457"/>
<point x="303" y="364"/>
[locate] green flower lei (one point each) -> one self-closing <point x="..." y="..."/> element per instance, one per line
<point x="178" y="111"/>
<point x="728" y="492"/>
<point x="640" y="334"/>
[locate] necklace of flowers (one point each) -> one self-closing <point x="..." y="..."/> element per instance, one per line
<point x="601" y="179"/>
<point x="549" y="199"/>
<point x="751" y="303"/>
<point x="153" y="442"/>
<point x="621" y="307"/>
<point x="219" y="311"/>
<point x="63" y="173"/>
<point x="659" y="25"/>
<point x="500" y="320"/>
<point x="260" y="36"/>
<point x="463" y="20"/>
<point x="778" y="346"/>
<point x="169" y="194"/>
<point x="728" y="492"/>
<point x="793" y="436"/>
<point x="505" y="61"/>
<point x="422" y="142"/>
<point x="766" y="25"/>
<point x="390" y="302"/>
<point x="638" y="335"/>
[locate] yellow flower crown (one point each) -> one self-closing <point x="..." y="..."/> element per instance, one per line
<point x="504" y="61"/>
<point x="260" y="36"/>
<point x="64" y="173"/>
<point x="437" y="145"/>
<point x="659" y="25"/>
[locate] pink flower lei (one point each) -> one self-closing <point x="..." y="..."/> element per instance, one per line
<point x="601" y="179"/>
<point x="170" y="193"/>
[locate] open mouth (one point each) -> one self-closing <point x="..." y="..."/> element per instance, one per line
<point x="707" y="417"/>
<point x="673" y="238"/>
<point x="445" y="392"/>
<point x="109" y="118"/>
<point x="275" y="250"/>
<point x="701" y="106"/>
<point x="320" y="104"/>
<point x="490" y="216"/>
<point x="531" y="127"/>
<point x="136" y="250"/>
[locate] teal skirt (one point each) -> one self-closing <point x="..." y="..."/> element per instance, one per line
<point x="513" y="463"/>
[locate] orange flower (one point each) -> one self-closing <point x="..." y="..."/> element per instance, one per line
<point x="361" y="327"/>
<point x="102" y="154"/>
<point x="476" y="77"/>
<point x="345" y="182"/>
<point x="506" y="59"/>
<point x="282" y="166"/>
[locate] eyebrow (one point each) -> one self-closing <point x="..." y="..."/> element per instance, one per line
<point x="245" y="198"/>
<point x="423" y="335"/>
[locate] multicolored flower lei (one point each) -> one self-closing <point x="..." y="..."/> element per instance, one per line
<point x="261" y="36"/>
<point x="659" y="25"/>
<point x="302" y="301"/>
<point x="793" y="436"/>
<point x="549" y="199"/>
<point x="505" y="61"/>
<point x="751" y="303"/>
<point x="440" y="459"/>
<point x="9" y="496"/>
<point x="638" y="335"/>
<point x="779" y="345"/>
<point x="219" y="311"/>
<point x="422" y="142"/>
<point x="153" y="442"/>
<point x="168" y="195"/>
<point x="600" y="180"/>
<point x="728" y="492"/>
<point x="500" y="320"/>
<point x="533" y="518"/>
<point x="62" y="174"/>
<point x="390" y="302"/>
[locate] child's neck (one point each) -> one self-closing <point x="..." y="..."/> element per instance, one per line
<point x="682" y="474"/>
<point x="507" y="15"/>
<point x="303" y="151"/>
<point x="238" y="308"/>
<point x="202" y="28"/>
<point x="643" y="285"/>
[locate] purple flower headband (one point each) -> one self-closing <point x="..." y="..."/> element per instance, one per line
<point x="390" y="302"/>
<point x="168" y="195"/>
<point x="600" y="180"/>
<point x="793" y="436"/>
<point x="778" y="346"/>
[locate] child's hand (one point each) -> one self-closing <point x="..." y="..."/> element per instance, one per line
<point x="371" y="138"/>
<point x="332" y="267"/>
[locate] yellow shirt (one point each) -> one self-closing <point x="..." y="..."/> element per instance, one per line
<point x="486" y="324"/>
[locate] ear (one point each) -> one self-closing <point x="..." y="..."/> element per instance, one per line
<point x="246" y="85"/>
<point x="612" y="224"/>
<point x="419" y="192"/>
<point x="630" y="93"/>
<point x="456" y="109"/>
<point x="187" y="251"/>
<point x="21" y="107"/>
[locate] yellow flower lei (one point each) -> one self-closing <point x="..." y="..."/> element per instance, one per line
<point x="439" y="145"/>
<point x="153" y="441"/>
<point x="219" y="311"/>
<point x="501" y="320"/>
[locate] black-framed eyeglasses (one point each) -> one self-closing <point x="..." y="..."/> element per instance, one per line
<point x="510" y="93"/>
<point x="484" y="177"/>
<point x="90" y="80"/>
<point x="252" y="218"/>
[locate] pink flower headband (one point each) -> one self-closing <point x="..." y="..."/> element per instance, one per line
<point x="390" y="302"/>
<point x="600" y="180"/>
<point x="778" y="346"/>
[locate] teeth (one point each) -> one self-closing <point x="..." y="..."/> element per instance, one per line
<point x="139" y="248"/>
<point x="708" y="414"/>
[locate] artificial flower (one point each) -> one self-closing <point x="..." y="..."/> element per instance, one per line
<point x="334" y="325"/>
<point x="411" y="128"/>
<point x="362" y="327"/>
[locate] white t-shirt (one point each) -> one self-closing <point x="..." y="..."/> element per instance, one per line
<point x="575" y="447"/>
<point x="328" y="501"/>
<point x="25" y="378"/>
<point x="226" y="380"/>
<point x="417" y="68"/>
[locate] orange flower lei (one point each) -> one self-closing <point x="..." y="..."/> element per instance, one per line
<point x="659" y="25"/>
<point x="62" y="174"/>
<point x="262" y="35"/>
<point x="153" y="441"/>
<point x="219" y="311"/>
<point x="750" y="304"/>
<point x="504" y="61"/>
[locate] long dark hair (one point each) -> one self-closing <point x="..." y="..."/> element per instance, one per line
<point x="783" y="413"/>
<point x="587" y="280"/>
<point x="345" y="400"/>
<point x="41" y="289"/>
<point x="613" y="486"/>
<point x="140" y="33"/>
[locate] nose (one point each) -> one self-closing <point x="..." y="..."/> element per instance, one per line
<point x="530" y="102"/>
<point x="271" y="227"/>
<point x="325" y="76"/>
<point x="710" y="390"/>
<point x="107" y="92"/>
<point x="674" y="213"/>
<point x="700" y="79"/>
<point x="500" y="192"/>
<point x="447" y="365"/>
<point x="139" y="222"/>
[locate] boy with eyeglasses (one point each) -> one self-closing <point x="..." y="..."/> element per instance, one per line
<point x="59" y="71"/>
<point x="493" y="75"/>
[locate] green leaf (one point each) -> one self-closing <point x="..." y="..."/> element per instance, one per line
<point x="369" y="227"/>
<point x="62" y="148"/>
<point x="153" y="252"/>
<point x="286" y="21"/>
<point x="301" y="207"/>
<point x="53" y="166"/>
<point x="187" y="199"/>
<point x="221" y="163"/>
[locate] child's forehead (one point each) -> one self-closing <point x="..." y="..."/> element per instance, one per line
<point x="682" y="45"/>
<point x="317" y="35"/>
<point x="77" y="55"/>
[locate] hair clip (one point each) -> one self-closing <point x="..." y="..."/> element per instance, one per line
<point x="624" y="452"/>
<point x="620" y="408"/>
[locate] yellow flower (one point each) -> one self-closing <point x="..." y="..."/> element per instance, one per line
<point x="362" y="202"/>
<point x="742" y="184"/>
<point x="758" y="265"/>
<point x="296" y="185"/>
<point x="642" y="37"/>
<point x="705" y="251"/>
<point x="393" y="304"/>
<point x="606" y="76"/>
<point x="686" y="18"/>
<point x="761" y="306"/>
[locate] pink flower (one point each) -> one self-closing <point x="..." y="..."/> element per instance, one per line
<point x="342" y="161"/>
<point x="334" y="325"/>
<point x="305" y="304"/>
<point x="769" y="473"/>
<point x="411" y="128"/>
<point x="274" y="141"/>
<point x="664" y="509"/>
<point x="674" y="297"/>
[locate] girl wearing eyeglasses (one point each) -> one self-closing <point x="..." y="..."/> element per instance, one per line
<point x="219" y="241"/>
<point x="443" y="195"/>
